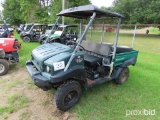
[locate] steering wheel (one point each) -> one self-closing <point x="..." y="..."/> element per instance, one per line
<point x="75" y="44"/>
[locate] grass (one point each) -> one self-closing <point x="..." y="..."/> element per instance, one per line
<point x="141" y="91"/>
<point x="110" y="101"/>
<point x="25" y="52"/>
<point x="14" y="84"/>
<point x="14" y="103"/>
<point x="154" y="30"/>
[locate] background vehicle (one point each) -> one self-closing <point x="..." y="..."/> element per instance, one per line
<point x="47" y="32"/>
<point x="3" y="28"/>
<point x="62" y="34"/>
<point x="24" y="27"/>
<point x="9" y="47"/>
<point x="33" y="33"/>
<point x="70" y="69"/>
<point x="20" y="28"/>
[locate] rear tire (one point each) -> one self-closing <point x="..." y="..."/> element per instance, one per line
<point x="4" y="67"/>
<point x="67" y="95"/>
<point x="41" y="41"/>
<point x="26" y="39"/>
<point x="123" y="76"/>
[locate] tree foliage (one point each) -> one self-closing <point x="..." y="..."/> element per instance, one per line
<point x="44" y="11"/>
<point x="138" y="11"/>
<point x="12" y="12"/>
<point x="57" y="7"/>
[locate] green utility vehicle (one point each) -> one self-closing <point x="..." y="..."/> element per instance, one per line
<point x="81" y="65"/>
<point x="62" y="34"/>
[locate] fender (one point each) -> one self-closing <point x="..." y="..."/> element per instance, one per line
<point x="128" y="62"/>
<point x="76" y="72"/>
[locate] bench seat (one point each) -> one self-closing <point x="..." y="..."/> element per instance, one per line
<point x="92" y="60"/>
<point x="119" y="48"/>
<point x="95" y="52"/>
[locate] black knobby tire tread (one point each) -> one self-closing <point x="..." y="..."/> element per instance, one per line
<point x="61" y="89"/>
<point x="6" y="65"/>
<point x="118" y="81"/>
<point x="28" y="37"/>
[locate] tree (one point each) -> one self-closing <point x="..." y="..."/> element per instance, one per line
<point x="43" y="11"/>
<point x="11" y="12"/>
<point x="138" y="11"/>
<point x="27" y="9"/>
<point x="57" y="7"/>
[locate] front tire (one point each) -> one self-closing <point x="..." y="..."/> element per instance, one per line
<point x="67" y="95"/>
<point x="123" y="76"/>
<point x="4" y="67"/>
<point x="26" y="39"/>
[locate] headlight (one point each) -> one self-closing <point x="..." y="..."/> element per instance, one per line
<point x="48" y="69"/>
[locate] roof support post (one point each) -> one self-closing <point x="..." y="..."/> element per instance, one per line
<point x="115" y="45"/>
<point x="116" y="38"/>
<point x="52" y="29"/>
<point x="134" y="34"/>
<point x="80" y="40"/>
<point x="80" y="31"/>
<point x="102" y="37"/>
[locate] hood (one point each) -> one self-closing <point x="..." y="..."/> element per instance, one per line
<point x="54" y="35"/>
<point x="23" y="33"/>
<point x="48" y="50"/>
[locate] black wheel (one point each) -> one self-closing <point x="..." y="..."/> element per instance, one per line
<point x="67" y="95"/>
<point x="123" y="76"/>
<point x="26" y="39"/>
<point x="4" y="67"/>
<point x="41" y="41"/>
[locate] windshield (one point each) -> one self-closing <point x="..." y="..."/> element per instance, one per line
<point x="58" y="33"/>
<point x="27" y="27"/>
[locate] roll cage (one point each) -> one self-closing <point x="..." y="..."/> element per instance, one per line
<point x="92" y="12"/>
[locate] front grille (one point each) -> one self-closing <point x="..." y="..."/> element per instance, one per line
<point x="36" y="64"/>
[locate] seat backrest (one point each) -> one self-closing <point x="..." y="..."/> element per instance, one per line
<point x="98" y="48"/>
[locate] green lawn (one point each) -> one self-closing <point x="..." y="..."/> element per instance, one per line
<point x="110" y="101"/>
<point x="154" y="30"/>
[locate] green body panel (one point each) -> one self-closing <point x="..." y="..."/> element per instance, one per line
<point x="48" y="54"/>
<point x="121" y="57"/>
<point x="77" y="60"/>
<point x="46" y="51"/>
<point x="57" y="58"/>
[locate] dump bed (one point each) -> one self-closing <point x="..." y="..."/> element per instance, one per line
<point x="121" y="57"/>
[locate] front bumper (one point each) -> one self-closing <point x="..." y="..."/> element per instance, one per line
<point x="36" y="76"/>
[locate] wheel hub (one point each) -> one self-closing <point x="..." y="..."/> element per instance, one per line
<point x="71" y="96"/>
<point x="1" y="68"/>
<point x="124" y="76"/>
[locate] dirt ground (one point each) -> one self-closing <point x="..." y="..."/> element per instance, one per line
<point x="40" y="107"/>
